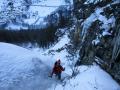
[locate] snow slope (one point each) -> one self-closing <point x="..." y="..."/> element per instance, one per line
<point x="23" y="69"/>
<point x="90" y="78"/>
<point x="20" y="68"/>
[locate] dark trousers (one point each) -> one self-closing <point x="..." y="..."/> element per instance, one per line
<point x="58" y="75"/>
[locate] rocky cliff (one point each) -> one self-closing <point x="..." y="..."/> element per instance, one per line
<point x="98" y="25"/>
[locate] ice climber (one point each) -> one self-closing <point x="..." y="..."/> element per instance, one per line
<point x="57" y="69"/>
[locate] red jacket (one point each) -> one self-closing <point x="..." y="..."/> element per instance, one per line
<point x="57" y="68"/>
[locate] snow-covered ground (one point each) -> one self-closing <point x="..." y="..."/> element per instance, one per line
<point x="23" y="69"/>
<point x="90" y="78"/>
<point x="37" y="11"/>
<point x="34" y="15"/>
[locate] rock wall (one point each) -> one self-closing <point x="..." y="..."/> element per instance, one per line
<point x="99" y="44"/>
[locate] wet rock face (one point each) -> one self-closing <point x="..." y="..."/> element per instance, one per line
<point x="115" y="65"/>
<point x="115" y="68"/>
<point x="104" y="49"/>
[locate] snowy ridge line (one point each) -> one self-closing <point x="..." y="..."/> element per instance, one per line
<point x="47" y="5"/>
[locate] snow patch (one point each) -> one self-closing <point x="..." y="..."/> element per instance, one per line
<point x="107" y="23"/>
<point x="96" y="41"/>
<point x="92" y="1"/>
<point x="106" y="33"/>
